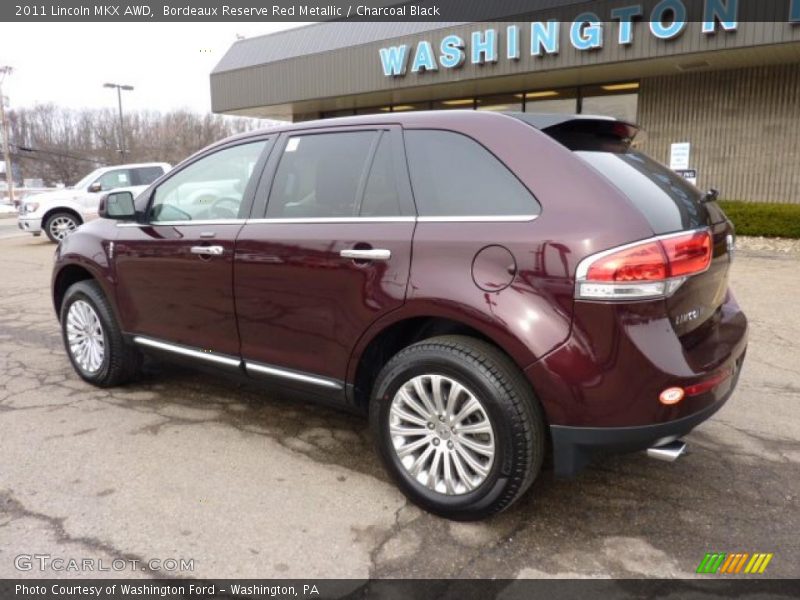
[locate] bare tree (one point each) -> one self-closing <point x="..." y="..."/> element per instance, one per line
<point x="61" y="145"/>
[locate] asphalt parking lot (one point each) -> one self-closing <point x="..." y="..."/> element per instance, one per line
<point x="183" y="465"/>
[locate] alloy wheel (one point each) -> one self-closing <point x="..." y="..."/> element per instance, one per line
<point x="442" y="434"/>
<point x="85" y="336"/>
<point x="61" y="226"/>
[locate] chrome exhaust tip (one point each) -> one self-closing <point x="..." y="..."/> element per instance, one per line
<point x="669" y="452"/>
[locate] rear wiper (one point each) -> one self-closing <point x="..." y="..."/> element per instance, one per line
<point x="711" y="196"/>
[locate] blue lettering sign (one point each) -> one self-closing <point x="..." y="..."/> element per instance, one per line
<point x="512" y="42"/>
<point x="484" y="47"/>
<point x="394" y="60"/>
<point x="423" y="59"/>
<point x="724" y="11"/>
<point x="544" y="38"/>
<point x="672" y="29"/>
<point x="625" y="15"/>
<point x="452" y="52"/>
<point x="586" y="32"/>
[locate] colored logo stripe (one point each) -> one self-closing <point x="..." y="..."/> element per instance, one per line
<point x="723" y="563"/>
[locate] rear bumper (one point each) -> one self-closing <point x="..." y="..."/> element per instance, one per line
<point x="574" y="447"/>
<point x="32" y="225"/>
<point x="600" y="390"/>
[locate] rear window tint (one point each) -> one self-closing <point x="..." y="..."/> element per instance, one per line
<point x="667" y="200"/>
<point x="452" y="175"/>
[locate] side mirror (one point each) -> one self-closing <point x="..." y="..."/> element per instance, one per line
<point x="117" y="205"/>
<point x="95" y="187"/>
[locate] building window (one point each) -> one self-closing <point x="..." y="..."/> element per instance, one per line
<point x="410" y="106"/>
<point x="618" y="100"/>
<point x="552" y="101"/>
<point x="506" y="102"/>
<point x="332" y="114"/>
<point x="455" y="104"/>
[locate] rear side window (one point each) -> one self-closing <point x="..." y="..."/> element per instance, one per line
<point x="452" y="175"/>
<point x="145" y="175"/>
<point x="667" y="200"/>
<point x="336" y="175"/>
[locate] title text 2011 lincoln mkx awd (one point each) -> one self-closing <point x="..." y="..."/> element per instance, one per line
<point x="484" y="286"/>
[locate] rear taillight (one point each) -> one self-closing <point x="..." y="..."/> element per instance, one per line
<point x="649" y="269"/>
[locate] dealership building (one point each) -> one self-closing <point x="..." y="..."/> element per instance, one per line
<point x="718" y="98"/>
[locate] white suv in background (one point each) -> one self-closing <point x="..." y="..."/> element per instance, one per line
<point x="60" y="212"/>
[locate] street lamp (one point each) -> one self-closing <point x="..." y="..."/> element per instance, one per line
<point x="6" y="142"/>
<point x="127" y="88"/>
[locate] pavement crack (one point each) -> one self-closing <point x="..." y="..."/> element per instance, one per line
<point x="11" y="506"/>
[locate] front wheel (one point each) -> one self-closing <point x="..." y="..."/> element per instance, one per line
<point x="458" y="427"/>
<point x="92" y="338"/>
<point x="59" y="225"/>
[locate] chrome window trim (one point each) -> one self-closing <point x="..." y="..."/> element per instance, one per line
<point x="184" y="351"/>
<point x="479" y="219"/>
<point x="332" y="220"/>
<point x="293" y="375"/>
<point x="342" y="220"/>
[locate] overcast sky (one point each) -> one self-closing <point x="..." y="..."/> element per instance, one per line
<point x="167" y="63"/>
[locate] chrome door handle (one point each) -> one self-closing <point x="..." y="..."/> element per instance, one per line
<point x="371" y="254"/>
<point x="207" y="250"/>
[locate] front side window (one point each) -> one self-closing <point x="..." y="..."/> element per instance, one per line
<point x="336" y="175"/>
<point x="210" y="188"/>
<point x="114" y="179"/>
<point x="452" y="175"/>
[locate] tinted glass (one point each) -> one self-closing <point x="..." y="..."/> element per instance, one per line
<point x="667" y="200"/>
<point x="211" y="188"/>
<point x="381" y="195"/>
<point x="115" y="179"/>
<point x="321" y="175"/>
<point x="145" y="175"/>
<point x="619" y="106"/>
<point x="552" y="101"/>
<point x="453" y="175"/>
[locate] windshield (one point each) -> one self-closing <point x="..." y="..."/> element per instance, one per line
<point x="84" y="183"/>
<point x="667" y="200"/>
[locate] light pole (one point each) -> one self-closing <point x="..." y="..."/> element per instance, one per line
<point x="127" y="88"/>
<point x="6" y="143"/>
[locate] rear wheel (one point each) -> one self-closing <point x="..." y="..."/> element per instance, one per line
<point x="59" y="225"/>
<point x="92" y="338"/>
<point x="458" y="427"/>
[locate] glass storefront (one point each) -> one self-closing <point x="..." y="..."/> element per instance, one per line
<point x="564" y="101"/>
<point x="503" y="103"/>
<point x="619" y="100"/>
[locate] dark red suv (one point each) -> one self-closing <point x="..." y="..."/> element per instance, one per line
<point x="485" y="286"/>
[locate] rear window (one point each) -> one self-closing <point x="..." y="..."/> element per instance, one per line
<point x="667" y="200"/>
<point x="452" y="175"/>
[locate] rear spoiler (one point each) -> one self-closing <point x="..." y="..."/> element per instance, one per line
<point x="583" y="132"/>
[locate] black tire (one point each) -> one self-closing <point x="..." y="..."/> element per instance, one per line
<point x="69" y="219"/>
<point x="121" y="361"/>
<point x="509" y="404"/>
